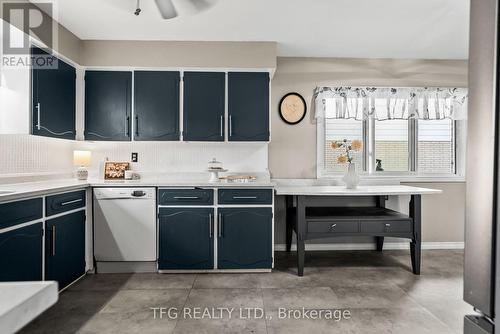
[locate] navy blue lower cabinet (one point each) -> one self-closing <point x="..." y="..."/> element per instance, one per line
<point x="65" y="248"/>
<point x="14" y="213"/>
<point x="186" y="238"/>
<point x="245" y="238"/>
<point x="21" y="254"/>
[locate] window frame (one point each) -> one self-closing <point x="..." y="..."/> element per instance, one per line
<point x="367" y="169"/>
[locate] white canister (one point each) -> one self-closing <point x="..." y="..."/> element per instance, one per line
<point x="128" y="174"/>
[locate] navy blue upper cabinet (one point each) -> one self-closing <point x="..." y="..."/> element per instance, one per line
<point x="248" y="106"/>
<point x="107" y="105"/>
<point x="186" y="238"/>
<point x="53" y="98"/>
<point x="65" y="248"/>
<point x="156" y="105"/>
<point x="245" y="238"/>
<point x="21" y="254"/>
<point x="204" y="106"/>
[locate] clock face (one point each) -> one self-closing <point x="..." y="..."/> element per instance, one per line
<point x="292" y="108"/>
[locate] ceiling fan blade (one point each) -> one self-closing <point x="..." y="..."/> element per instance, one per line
<point x="200" y="4"/>
<point x="166" y="8"/>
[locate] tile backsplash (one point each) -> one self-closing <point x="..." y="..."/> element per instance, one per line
<point x="25" y="155"/>
<point x="22" y="155"/>
<point x="174" y="157"/>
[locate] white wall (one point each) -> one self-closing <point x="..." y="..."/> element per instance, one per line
<point x="14" y="92"/>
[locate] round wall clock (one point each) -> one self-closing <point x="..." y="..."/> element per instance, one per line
<point x="292" y="108"/>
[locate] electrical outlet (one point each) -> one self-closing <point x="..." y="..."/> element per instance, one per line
<point x="135" y="157"/>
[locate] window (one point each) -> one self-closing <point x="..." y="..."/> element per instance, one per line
<point x="391" y="146"/>
<point x="338" y="130"/>
<point x="436" y="146"/>
<point x="394" y="146"/>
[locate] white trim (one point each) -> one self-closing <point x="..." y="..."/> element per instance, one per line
<point x="212" y="271"/>
<point x="392" y="177"/>
<point x="181" y="106"/>
<point x="372" y="246"/>
<point x="18" y="226"/>
<point x="178" y="68"/>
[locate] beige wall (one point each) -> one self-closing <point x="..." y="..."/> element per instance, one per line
<point x="69" y="45"/>
<point x="179" y="54"/>
<point x="292" y="151"/>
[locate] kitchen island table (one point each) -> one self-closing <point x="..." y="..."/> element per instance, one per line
<point x="315" y="212"/>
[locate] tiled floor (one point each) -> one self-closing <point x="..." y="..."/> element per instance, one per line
<point x="378" y="289"/>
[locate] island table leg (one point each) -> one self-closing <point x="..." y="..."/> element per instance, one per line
<point x="288" y="222"/>
<point x="301" y="234"/>
<point x="416" y="243"/>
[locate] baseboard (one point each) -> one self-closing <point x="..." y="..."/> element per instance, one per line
<point x="371" y="246"/>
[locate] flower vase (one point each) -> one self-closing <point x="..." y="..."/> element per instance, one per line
<point x="351" y="178"/>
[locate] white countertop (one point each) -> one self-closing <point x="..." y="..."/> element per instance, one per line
<point x="367" y="190"/>
<point x="30" y="189"/>
<point x="21" y="302"/>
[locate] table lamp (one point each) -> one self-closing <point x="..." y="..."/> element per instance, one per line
<point x="82" y="160"/>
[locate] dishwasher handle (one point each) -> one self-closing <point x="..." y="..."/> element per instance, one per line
<point x="138" y="193"/>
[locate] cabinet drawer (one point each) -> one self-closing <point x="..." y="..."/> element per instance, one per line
<point x="344" y="226"/>
<point x="19" y="212"/>
<point x="245" y="196"/>
<point x="186" y="197"/>
<point x="64" y="202"/>
<point x="398" y="226"/>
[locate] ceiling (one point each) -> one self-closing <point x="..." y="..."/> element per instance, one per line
<point x="425" y="29"/>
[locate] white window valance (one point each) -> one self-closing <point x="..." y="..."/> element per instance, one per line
<point x="384" y="103"/>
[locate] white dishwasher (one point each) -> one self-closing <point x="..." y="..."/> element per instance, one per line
<point x="125" y="230"/>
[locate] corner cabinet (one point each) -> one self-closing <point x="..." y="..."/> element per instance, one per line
<point x="28" y="236"/>
<point x="186" y="238"/>
<point x="248" y="106"/>
<point x="53" y="97"/>
<point x="108" y="99"/>
<point x="204" y="106"/>
<point x="156" y="105"/>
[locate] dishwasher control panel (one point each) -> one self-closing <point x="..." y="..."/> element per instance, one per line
<point x="114" y="193"/>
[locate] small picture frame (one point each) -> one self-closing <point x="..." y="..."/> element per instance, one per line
<point x="115" y="170"/>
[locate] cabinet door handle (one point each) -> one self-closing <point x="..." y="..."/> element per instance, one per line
<point x="128" y="126"/>
<point x="210" y="225"/>
<point x="230" y="126"/>
<point x="244" y="197"/>
<point x="137" y="125"/>
<point x="221" y="126"/>
<point x="220" y="225"/>
<point x="186" y="197"/>
<point x="54" y="240"/>
<point x="71" y="202"/>
<point x="38" y="121"/>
